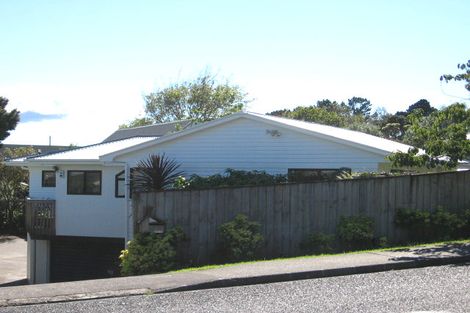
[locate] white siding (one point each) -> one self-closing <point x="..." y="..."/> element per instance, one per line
<point x="84" y="215"/>
<point x="36" y="191"/>
<point x="246" y="145"/>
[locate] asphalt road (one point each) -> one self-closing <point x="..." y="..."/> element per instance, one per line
<point x="432" y="289"/>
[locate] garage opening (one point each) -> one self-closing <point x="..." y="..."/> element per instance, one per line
<point x="80" y="258"/>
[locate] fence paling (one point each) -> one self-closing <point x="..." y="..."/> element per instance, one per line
<point x="288" y="213"/>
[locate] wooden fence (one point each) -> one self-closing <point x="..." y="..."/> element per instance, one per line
<point x="288" y="213"/>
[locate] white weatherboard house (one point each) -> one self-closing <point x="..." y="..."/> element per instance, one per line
<point x="79" y="214"/>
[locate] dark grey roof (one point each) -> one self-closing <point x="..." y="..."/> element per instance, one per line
<point x="42" y="149"/>
<point x="156" y="130"/>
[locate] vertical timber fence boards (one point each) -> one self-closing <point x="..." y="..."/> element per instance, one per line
<point x="288" y="213"/>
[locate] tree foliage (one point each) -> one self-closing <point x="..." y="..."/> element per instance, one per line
<point x="442" y="135"/>
<point x="8" y="120"/>
<point x="201" y="100"/>
<point x="13" y="191"/>
<point x="355" y="115"/>
<point x="395" y="126"/>
<point x="359" y="106"/>
<point x="465" y="76"/>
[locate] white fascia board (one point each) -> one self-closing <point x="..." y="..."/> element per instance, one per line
<point x="72" y="162"/>
<point x="17" y="163"/>
<point x="110" y="156"/>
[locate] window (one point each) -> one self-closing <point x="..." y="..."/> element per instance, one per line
<point x="84" y="182"/>
<point x="48" y="179"/>
<point x="308" y="175"/>
<point x="120" y="185"/>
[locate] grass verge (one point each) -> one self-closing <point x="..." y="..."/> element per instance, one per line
<point x="407" y="247"/>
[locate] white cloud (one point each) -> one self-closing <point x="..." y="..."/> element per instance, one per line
<point x="92" y="111"/>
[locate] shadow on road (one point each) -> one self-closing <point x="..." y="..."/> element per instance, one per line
<point x="19" y="282"/>
<point x="6" y="238"/>
<point x="454" y="249"/>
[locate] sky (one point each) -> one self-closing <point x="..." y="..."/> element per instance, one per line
<point x="77" y="69"/>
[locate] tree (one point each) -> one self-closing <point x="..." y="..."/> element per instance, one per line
<point x="8" y="120"/>
<point x="338" y="114"/>
<point x="200" y="100"/>
<point x="333" y="106"/>
<point x="395" y="126"/>
<point x="359" y="106"/>
<point x="423" y="105"/>
<point x="465" y="76"/>
<point x="137" y="122"/>
<point x="13" y="190"/>
<point x="442" y="135"/>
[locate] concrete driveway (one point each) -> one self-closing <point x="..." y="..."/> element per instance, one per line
<point x="12" y="260"/>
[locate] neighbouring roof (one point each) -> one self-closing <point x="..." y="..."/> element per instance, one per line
<point x="39" y="148"/>
<point x="87" y="153"/>
<point x="157" y="130"/>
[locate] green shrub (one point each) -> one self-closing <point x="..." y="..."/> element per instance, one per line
<point x="318" y="243"/>
<point x="355" y="232"/>
<point x="445" y="225"/>
<point x="465" y="227"/>
<point x="416" y="222"/>
<point x="151" y="253"/>
<point x="233" y="177"/>
<point x="381" y="242"/>
<point x="240" y="239"/>
<point x="425" y="226"/>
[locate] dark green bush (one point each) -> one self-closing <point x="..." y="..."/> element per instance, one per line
<point x="355" y="232"/>
<point x="465" y="229"/>
<point x="425" y="226"/>
<point x="318" y="243"/>
<point x="445" y="225"/>
<point x="151" y="253"/>
<point x="233" y="177"/>
<point x="416" y="222"/>
<point x="240" y="239"/>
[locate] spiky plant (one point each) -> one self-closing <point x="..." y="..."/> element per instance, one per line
<point x="157" y="172"/>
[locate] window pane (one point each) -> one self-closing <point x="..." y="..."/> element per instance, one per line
<point x="93" y="183"/>
<point x="75" y="182"/>
<point x="48" y="178"/>
<point x="120" y="188"/>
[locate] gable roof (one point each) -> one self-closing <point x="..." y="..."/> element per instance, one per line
<point x="156" y="130"/>
<point x="357" y="139"/>
<point x="107" y="151"/>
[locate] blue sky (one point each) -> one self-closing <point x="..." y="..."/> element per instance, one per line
<point x="87" y="64"/>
